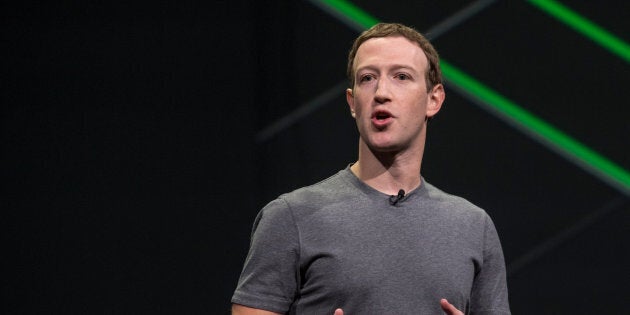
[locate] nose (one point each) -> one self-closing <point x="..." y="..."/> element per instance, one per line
<point x="382" y="93"/>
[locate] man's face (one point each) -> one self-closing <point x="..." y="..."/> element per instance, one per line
<point x="389" y="99"/>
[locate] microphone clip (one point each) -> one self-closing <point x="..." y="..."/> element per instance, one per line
<point x="394" y="199"/>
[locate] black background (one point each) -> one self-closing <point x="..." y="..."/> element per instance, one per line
<point x="132" y="172"/>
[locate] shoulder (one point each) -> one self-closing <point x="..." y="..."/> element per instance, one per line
<point x="331" y="189"/>
<point x="454" y="206"/>
<point x="312" y="197"/>
<point x="463" y="218"/>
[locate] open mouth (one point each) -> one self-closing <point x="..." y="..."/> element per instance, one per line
<point x="381" y="115"/>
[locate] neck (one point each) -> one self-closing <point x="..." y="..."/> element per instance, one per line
<point x="388" y="172"/>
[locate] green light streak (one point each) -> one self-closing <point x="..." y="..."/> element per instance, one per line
<point x="539" y="128"/>
<point x="587" y="28"/>
<point x="352" y="12"/>
<point x="557" y="140"/>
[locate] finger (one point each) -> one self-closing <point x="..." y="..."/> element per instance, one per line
<point x="338" y="311"/>
<point x="449" y="308"/>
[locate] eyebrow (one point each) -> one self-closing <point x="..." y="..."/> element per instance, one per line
<point x="389" y="68"/>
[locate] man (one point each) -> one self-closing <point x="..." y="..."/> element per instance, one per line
<point x="376" y="238"/>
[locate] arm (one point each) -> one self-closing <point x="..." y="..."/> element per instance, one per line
<point x="489" y="291"/>
<point x="238" y="309"/>
<point x="269" y="277"/>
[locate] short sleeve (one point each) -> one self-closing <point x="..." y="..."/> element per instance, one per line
<point x="489" y="293"/>
<point x="269" y="277"/>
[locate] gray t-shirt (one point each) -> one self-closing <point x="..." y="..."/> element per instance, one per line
<point x="342" y="244"/>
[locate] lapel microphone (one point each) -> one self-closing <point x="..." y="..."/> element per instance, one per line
<point x="394" y="199"/>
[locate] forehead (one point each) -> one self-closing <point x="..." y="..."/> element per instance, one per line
<point x="391" y="50"/>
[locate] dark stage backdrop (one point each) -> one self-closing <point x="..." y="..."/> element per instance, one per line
<point x="136" y="150"/>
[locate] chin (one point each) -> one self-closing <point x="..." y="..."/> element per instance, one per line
<point x="382" y="143"/>
<point x="384" y="147"/>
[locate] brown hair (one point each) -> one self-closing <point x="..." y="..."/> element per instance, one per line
<point x="433" y="74"/>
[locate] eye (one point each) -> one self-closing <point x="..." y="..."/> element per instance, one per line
<point x="366" y="78"/>
<point x="402" y="76"/>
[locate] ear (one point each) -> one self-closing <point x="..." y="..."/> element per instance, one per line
<point x="350" y="100"/>
<point x="436" y="98"/>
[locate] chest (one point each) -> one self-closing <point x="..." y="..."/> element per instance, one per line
<point x="389" y="258"/>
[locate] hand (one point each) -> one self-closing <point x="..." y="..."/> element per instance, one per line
<point x="338" y="312"/>
<point x="447" y="307"/>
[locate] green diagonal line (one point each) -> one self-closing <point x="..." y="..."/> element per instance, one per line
<point x="587" y="28"/>
<point x="568" y="147"/>
<point x="352" y="12"/>
<point x="573" y="149"/>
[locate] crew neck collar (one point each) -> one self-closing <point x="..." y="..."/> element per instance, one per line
<point x="371" y="192"/>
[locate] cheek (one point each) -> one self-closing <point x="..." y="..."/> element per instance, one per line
<point x="358" y="106"/>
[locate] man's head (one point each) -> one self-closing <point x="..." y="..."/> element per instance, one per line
<point x="433" y="74"/>
<point x="396" y="88"/>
